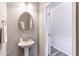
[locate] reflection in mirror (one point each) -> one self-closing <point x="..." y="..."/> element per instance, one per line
<point x="25" y="22"/>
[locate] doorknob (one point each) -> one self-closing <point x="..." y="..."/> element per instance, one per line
<point x="50" y="34"/>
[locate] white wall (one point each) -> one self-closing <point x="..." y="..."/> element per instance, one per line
<point x="62" y="27"/>
<point x="3" y="16"/>
<point x="41" y="29"/>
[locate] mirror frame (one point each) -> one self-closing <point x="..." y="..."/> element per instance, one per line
<point x="20" y="28"/>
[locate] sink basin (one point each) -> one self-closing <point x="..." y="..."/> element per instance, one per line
<point x="26" y="44"/>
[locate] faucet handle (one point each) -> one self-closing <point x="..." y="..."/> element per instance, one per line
<point x="21" y="39"/>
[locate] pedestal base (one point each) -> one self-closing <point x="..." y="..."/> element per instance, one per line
<point x="26" y="51"/>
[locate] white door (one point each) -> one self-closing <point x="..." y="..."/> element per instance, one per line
<point x="73" y="13"/>
<point x="49" y="31"/>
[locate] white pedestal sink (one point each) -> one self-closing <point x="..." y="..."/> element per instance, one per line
<point x="26" y="45"/>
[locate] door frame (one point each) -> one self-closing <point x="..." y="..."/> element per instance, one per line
<point x="73" y="29"/>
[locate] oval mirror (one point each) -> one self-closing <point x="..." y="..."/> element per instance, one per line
<point x="25" y="22"/>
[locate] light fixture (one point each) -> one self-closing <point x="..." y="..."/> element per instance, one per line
<point x="29" y="5"/>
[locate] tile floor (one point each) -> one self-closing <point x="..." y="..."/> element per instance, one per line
<point x="55" y="52"/>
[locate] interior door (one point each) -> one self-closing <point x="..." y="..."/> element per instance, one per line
<point x="49" y="31"/>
